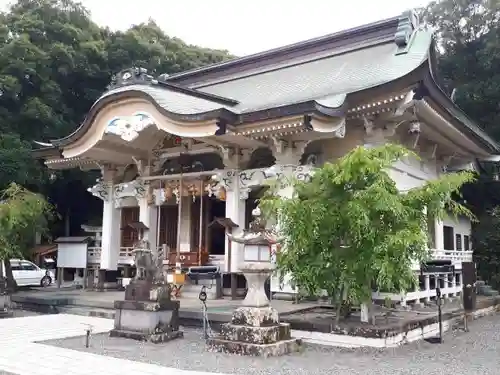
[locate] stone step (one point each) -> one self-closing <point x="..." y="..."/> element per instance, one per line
<point x="256" y="335"/>
<point x="279" y="348"/>
<point x="488" y="292"/>
<point x="87" y="311"/>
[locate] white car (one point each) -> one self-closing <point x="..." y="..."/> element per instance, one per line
<point x="27" y="273"/>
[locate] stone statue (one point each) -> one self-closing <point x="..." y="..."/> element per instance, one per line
<point x="147" y="313"/>
<point x="258" y="224"/>
<point x="143" y="260"/>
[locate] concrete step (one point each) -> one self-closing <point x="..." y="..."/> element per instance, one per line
<point x="489" y="292"/>
<point x="483" y="289"/>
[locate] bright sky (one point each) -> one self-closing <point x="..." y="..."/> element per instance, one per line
<point x="245" y="27"/>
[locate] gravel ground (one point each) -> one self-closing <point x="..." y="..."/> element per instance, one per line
<point x="475" y="352"/>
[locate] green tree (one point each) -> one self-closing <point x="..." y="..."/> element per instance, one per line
<point x="468" y="34"/>
<point x="22" y="214"/>
<point x="146" y="45"/>
<point x="486" y="240"/>
<point x="16" y="162"/>
<point x="350" y="228"/>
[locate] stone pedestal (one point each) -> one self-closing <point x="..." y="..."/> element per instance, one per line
<point x="255" y="331"/>
<point x="255" y="328"/>
<point x="256" y="294"/>
<point x="147" y="314"/>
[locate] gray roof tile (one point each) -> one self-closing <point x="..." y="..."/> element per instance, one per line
<point x="171" y="101"/>
<point x="327" y="80"/>
<point x="341" y="74"/>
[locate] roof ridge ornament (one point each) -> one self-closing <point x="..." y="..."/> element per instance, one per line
<point x="408" y="23"/>
<point x="130" y="76"/>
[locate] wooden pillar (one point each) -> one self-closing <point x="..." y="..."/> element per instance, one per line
<point x="208" y="232"/>
<point x="60" y="275"/>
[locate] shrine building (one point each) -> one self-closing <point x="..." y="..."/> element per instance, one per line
<point x="177" y="151"/>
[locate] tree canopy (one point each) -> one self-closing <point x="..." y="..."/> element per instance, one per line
<point x="54" y="63"/>
<point x="468" y="35"/>
<point x="350" y="227"/>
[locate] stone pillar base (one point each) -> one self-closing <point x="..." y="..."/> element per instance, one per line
<point x="255" y="331"/>
<point x="155" y="322"/>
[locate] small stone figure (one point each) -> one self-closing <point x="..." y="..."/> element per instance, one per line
<point x="144" y="264"/>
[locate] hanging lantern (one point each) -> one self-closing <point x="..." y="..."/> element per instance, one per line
<point x="222" y="194"/>
<point x="177" y="194"/>
<point x="149" y="196"/>
<point x="168" y="192"/>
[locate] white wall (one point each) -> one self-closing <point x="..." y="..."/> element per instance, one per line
<point x="72" y="255"/>
<point x="411" y="173"/>
<point x="461" y="225"/>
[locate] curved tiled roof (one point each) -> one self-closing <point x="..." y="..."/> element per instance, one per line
<point x="173" y="102"/>
<point x="338" y="74"/>
<point x="318" y="79"/>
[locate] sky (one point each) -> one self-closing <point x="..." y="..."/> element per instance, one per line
<point x="244" y="27"/>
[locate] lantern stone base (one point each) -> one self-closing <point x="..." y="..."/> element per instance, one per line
<point x="255" y="331"/>
<point x="147" y="321"/>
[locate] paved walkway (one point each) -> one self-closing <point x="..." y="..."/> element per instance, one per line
<point x="21" y="355"/>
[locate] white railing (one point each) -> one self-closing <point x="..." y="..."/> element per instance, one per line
<point x="456" y="257"/>
<point x="453" y="255"/>
<point x="126" y="256"/>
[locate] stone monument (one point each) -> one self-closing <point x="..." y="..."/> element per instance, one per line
<point x="147" y="313"/>
<point x="255" y="328"/>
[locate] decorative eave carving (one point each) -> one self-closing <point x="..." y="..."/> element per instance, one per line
<point x="129" y="127"/>
<point x="130" y="76"/>
<point x="387" y="105"/>
<point x="403" y="37"/>
<point x="102" y="190"/>
<point x="248" y="179"/>
<point x="74" y="162"/>
<point x="337" y="126"/>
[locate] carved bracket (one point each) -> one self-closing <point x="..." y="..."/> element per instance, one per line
<point x="260" y="176"/>
<point x="287" y="152"/>
<point x="375" y="134"/>
<point x="101" y="190"/>
<point x="137" y="189"/>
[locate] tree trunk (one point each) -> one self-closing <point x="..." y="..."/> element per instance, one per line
<point x="338" y="302"/>
<point x="367" y="308"/>
<point x="11" y="285"/>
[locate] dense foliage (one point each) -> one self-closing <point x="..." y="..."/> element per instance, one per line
<point x="468" y="34"/>
<point x="54" y="63"/>
<point x="350" y="228"/>
<point x="22" y="214"/>
<point x="486" y="239"/>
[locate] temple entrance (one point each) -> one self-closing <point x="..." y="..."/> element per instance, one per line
<point x="217" y="242"/>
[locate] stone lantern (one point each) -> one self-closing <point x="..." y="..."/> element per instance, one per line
<point x="256" y="266"/>
<point x="255" y="328"/>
